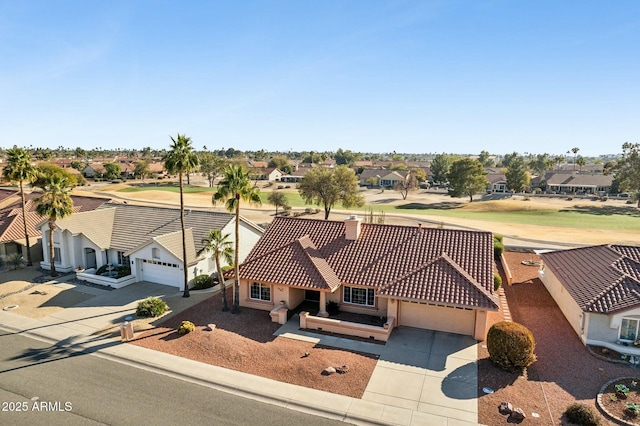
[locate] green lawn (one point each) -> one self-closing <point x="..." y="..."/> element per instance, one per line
<point x="583" y="218"/>
<point x="596" y="217"/>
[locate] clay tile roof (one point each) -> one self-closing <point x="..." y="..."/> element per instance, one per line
<point x="451" y="285"/>
<point x="383" y="254"/>
<point x="11" y="228"/>
<point x="602" y="279"/>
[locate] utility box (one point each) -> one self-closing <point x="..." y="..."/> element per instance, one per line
<point x="126" y="331"/>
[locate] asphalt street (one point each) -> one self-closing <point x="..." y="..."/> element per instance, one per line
<point x="43" y="384"/>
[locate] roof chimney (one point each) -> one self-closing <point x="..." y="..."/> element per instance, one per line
<point x="352" y="227"/>
<point x="419" y="227"/>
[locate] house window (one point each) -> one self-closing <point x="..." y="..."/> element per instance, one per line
<point x="122" y="259"/>
<point x="57" y="255"/>
<point x="629" y="329"/>
<point x="260" y="292"/>
<point x="359" y="296"/>
<point x="155" y="253"/>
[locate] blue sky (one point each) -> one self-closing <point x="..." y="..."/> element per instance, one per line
<point x="372" y="76"/>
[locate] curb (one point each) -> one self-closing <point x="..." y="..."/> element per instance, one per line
<point x="223" y="387"/>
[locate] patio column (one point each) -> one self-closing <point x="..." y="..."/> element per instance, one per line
<point x="323" y="305"/>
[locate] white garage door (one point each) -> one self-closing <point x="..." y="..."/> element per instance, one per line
<point x="460" y="321"/>
<point x="162" y="273"/>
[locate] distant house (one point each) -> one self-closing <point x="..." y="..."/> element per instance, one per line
<point x="148" y="239"/>
<point x="497" y="182"/>
<point x="372" y="174"/>
<point x="574" y="182"/>
<point x="437" y="279"/>
<point x="12" y="239"/>
<point x="297" y="174"/>
<point x="271" y="174"/>
<point x="94" y="170"/>
<point x="598" y="290"/>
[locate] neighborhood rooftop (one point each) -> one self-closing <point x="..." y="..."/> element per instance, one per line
<point x="600" y="279"/>
<point x="134" y="225"/>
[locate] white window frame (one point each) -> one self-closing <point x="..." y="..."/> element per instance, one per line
<point x="369" y="296"/>
<point x="155" y="253"/>
<point x="259" y="291"/>
<point x="57" y="255"/>
<point x="626" y="339"/>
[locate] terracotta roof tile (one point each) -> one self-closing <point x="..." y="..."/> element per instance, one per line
<point x="380" y="256"/>
<point x="11" y="228"/>
<point x="601" y="279"/>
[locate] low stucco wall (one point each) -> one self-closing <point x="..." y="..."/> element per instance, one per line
<point x="366" y="331"/>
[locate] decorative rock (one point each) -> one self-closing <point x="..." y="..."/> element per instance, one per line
<point x="211" y="327"/>
<point x="306" y="354"/>
<point x="328" y="371"/>
<point x="505" y="408"/>
<point x="342" y="370"/>
<point x="518" y="414"/>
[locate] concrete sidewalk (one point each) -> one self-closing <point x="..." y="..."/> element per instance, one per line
<point x="79" y="329"/>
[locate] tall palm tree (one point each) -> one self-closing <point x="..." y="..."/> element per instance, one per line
<point x="55" y="203"/>
<point x="575" y="154"/>
<point x="181" y="159"/>
<point x="220" y="247"/>
<point x="236" y="186"/>
<point x="19" y="169"/>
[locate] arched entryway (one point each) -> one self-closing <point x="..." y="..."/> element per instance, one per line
<point x="89" y="258"/>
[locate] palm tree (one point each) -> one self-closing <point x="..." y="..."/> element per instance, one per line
<point x="220" y="246"/>
<point x="575" y="154"/>
<point x="55" y="203"/>
<point x="234" y="187"/>
<point x="20" y="169"/>
<point x="181" y="159"/>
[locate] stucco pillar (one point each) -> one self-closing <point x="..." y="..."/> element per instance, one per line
<point x="323" y="305"/>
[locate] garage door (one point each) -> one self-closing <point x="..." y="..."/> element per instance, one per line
<point x="419" y="315"/>
<point x="162" y="273"/>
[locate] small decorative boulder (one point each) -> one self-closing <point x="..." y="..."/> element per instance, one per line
<point x="505" y="408"/>
<point x="328" y="371"/>
<point x="517" y="414"/>
<point x="342" y="370"/>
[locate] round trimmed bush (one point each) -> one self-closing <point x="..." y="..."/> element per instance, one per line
<point x="151" y="307"/>
<point x="186" y="327"/>
<point x="202" y="281"/>
<point x="582" y="415"/>
<point x="497" y="281"/>
<point x="511" y="346"/>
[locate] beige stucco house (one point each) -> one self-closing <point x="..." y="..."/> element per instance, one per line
<point x="437" y="279"/>
<point x="148" y="239"/>
<point x="598" y="290"/>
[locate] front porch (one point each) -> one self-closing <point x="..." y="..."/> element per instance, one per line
<point x="109" y="280"/>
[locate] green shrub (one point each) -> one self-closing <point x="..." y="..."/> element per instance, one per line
<point x="202" y="281"/>
<point x="151" y="307"/>
<point x="186" y="327"/>
<point x="498" y="246"/>
<point x="497" y="281"/>
<point x="582" y="415"/>
<point x="15" y="261"/>
<point x="101" y="270"/>
<point x="511" y="346"/>
<point x="333" y="308"/>
<point x="123" y="271"/>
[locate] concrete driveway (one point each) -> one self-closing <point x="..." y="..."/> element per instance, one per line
<point x="431" y="372"/>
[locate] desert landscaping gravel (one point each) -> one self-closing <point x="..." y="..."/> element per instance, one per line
<point x="565" y="371"/>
